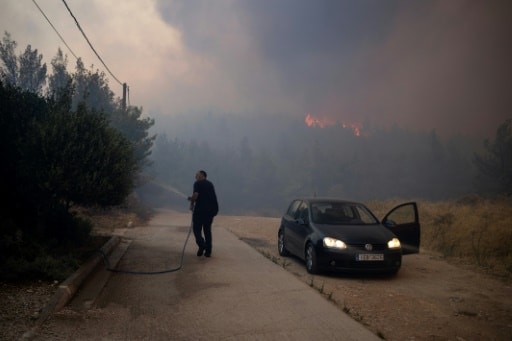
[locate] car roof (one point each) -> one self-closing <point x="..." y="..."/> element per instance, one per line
<point x="328" y="199"/>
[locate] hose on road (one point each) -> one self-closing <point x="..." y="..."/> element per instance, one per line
<point x="131" y="272"/>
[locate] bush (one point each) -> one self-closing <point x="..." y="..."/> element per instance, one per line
<point x="65" y="227"/>
<point x="54" y="256"/>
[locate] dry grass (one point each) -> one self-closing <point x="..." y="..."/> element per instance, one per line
<point x="471" y="230"/>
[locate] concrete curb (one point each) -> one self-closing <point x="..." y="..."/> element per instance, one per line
<point x="70" y="286"/>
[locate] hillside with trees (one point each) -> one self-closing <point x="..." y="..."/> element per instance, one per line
<point x="260" y="163"/>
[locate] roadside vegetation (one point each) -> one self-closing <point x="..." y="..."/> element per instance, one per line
<point x="66" y="143"/>
<point x="473" y="230"/>
<point x="476" y="228"/>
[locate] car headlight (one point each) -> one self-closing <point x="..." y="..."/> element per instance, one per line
<point x="334" y="243"/>
<point x="394" y="243"/>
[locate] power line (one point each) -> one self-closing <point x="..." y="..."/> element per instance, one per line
<point x="87" y="39"/>
<point x="85" y="36"/>
<point x="62" y="39"/>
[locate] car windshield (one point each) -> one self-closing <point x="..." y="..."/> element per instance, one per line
<point x="336" y="213"/>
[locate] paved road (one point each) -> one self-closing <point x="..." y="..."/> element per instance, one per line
<point x="237" y="294"/>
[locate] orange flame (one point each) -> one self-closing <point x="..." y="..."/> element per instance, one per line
<point x="356" y="127"/>
<point x="314" y="121"/>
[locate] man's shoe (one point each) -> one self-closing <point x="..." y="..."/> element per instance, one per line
<point x="200" y="252"/>
<point x="207" y="254"/>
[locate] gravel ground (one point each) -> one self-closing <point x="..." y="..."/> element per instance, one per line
<point x="20" y="306"/>
<point x="429" y="298"/>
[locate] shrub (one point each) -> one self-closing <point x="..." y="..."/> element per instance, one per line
<point x="54" y="256"/>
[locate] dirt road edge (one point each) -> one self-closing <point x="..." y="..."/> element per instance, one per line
<point x="70" y="286"/>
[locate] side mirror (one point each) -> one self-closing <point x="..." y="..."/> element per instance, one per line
<point x="301" y="221"/>
<point x="389" y="223"/>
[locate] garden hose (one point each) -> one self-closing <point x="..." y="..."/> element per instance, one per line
<point x="131" y="272"/>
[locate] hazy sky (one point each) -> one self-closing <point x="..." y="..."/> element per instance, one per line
<point x="443" y="65"/>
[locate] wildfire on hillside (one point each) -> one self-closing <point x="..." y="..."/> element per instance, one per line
<point x="313" y="121"/>
<point x="323" y="122"/>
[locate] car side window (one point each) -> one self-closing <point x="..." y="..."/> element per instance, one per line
<point x="292" y="210"/>
<point x="302" y="212"/>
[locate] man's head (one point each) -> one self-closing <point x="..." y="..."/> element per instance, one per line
<point x="201" y="175"/>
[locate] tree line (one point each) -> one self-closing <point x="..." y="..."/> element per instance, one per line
<point x="259" y="168"/>
<point x="65" y="141"/>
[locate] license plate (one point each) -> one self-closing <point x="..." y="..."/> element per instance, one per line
<point x="369" y="257"/>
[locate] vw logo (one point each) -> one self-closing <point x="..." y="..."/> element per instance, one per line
<point x="368" y="247"/>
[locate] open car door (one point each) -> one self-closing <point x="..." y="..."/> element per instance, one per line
<point x="403" y="221"/>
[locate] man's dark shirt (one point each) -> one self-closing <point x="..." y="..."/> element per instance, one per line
<point x="206" y="203"/>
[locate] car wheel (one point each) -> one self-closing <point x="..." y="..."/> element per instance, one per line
<point x="393" y="272"/>
<point x="281" y="246"/>
<point x="311" y="263"/>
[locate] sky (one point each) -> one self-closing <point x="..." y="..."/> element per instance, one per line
<point x="421" y="65"/>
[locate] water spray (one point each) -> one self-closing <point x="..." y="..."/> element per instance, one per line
<point x="107" y="263"/>
<point x="168" y="188"/>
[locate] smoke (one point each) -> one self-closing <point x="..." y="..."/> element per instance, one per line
<point x="421" y="65"/>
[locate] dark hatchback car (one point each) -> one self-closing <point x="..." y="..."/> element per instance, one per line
<point x="344" y="236"/>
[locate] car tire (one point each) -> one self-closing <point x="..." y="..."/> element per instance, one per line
<point x="311" y="261"/>
<point x="281" y="247"/>
<point x="393" y="272"/>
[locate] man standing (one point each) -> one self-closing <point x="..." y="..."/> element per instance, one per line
<point x="203" y="203"/>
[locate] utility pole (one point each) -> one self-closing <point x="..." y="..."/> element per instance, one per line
<point x="124" y="96"/>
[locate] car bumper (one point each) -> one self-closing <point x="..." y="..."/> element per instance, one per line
<point x="347" y="261"/>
